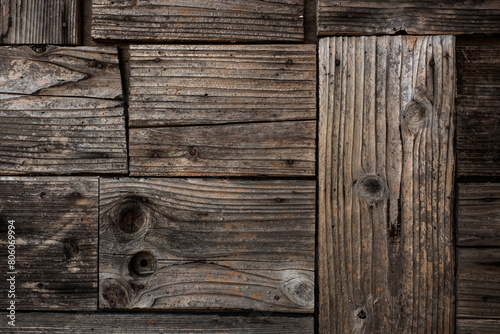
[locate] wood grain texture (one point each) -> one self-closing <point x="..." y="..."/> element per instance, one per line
<point x="386" y="162"/>
<point x="207" y="84"/>
<point x="478" y="326"/>
<point x="460" y="17"/>
<point x="478" y="282"/>
<point x="157" y="323"/>
<point x="40" y="22"/>
<point x="478" y="105"/>
<point x="478" y="214"/>
<point x="197" y="20"/>
<point x="207" y="244"/>
<point x="250" y="149"/>
<point x="56" y="224"/>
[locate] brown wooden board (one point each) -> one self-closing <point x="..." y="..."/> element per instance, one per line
<point x="55" y="225"/>
<point x="61" y="111"/>
<point x="478" y="283"/>
<point x="478" y="214"/>
<point x="40" y="22"/>
<point x="208" y="84"/>
<point x="207" y="244"/>
<point x="478" y="326"/>
<point x="478" y="106"/>
<point x="156" y="323"/>
<point x="198" y="20"/>
<point x="459" y="17"/>
<point x="386" y="161"/>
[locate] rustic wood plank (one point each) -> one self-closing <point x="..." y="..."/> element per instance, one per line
<point x="207" y="84"/>
<point x="255" y="149"/>
<point x="40" y="22"/>
<point x="207" y="244"/>
<point x="478" y="105"/>
<point x="119" y="323"/>
<point x="459" y="17"/>
<point x="478" y="214"/>
<point x="56" y="241"/>
<point x="386" y="185"/>
<point x="198" y="20"/>
<point x="478" y="326"/>
<point x="478" y="282"/>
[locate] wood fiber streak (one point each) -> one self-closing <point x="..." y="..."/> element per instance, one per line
<point x="386" y="175"/>
<point x="478" y="326"/>
<point x="39" y="22"/>
<point x="197" y="20"/>
<point x="56" y="224"/>
<point x="207" y="244"/>
<point x="208" y="84"/>
<point x="459" y="17"/>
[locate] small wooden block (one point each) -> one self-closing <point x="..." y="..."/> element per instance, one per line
<point x="207" y="244"/>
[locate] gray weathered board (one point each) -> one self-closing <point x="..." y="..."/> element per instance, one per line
<point x="386" y="163"/>
<point x="40" y="22"/>
<point x="207" y="244"/>
<point x="198" y="20"/>
<point x="156" y="323"/>
<point x="56" y="230"/>
<point x="209" y="84"/>
<point x="478" y="326"/>
<point x="478" y="105"/>
<point x="457" y="17"/>
<point x="61" y="111"/>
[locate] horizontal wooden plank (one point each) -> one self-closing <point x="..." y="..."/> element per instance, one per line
<point x="40" y="22"/>
<point x="55" y="225"/>
<point x="258" y="149"/>
<point x="478" y="283"/>
<point x="159" y="323"/>
<point x="478" y="326"/>
<point x="207" y="84"/>
<point x="207" y="244"/>
<point x="478" y="214"/>
<point x="198" y="20"/>
<point x="459" y="17"/>
<point x="478" y="105"/>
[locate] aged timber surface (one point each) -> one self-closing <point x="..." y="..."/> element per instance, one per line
<point x="207" y="244"/>
<point x="61" y="111"/>
<point x="207" y="84"/>
<point x="386" y="162"/>
<point x="478" y="326"/>
<point x="39" y="22"/>
<point x="56" y="225"/>
<point x="198" y="20"/>
<point x="157" y="323"/>
<point x="411" y="16"/>
<point x="478" y="105"/>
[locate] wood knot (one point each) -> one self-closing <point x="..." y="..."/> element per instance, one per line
<point x="415" y="115"/>
<point x="115" y="294"/>
<point x="362" y="314"/>
<point x="371" y="187"/>
<point x="192" y="152"/>
<point x="142" y="264"/>
<point x="300" y="290"/>
<point x="70" y="248"/>
<point x="131" y="217"/>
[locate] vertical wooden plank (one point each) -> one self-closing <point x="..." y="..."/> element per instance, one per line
<point x="386" y="168"/>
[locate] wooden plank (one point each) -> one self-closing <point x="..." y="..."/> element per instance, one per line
<point x="414" y="17"/>
<point x="207" y="84"/>
<point x="250" y="149"/>
<point x="198" y="20"/>
<point x="386" y="184"/>
<point x="207" y="244"/>
<point x="40" y="22"/>
<point x="478" y="105"/>
<point x="478" y="283"/>
<point x="478" y="326"/>
<point x="118" y="323"/>
<point x="55" y="225"/>
<point x="478" y="214"/>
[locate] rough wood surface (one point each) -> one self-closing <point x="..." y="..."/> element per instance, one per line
<point x="206" y="84"/>
<point x="458" y="17"/>
<point x="56" y="242"/>
<point x="40" y="22"/>
<point x="207" y="244"/>
<point x="478" y="326"/>
<point x="198" y="20"/>
<point x="258" y="149"/>
<point x="478" y="108"/>
<point x="478" y="214"/>
<point x="386" y="162"/>
<point x="478" y="282"/>
<point x="157" y="323"/>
